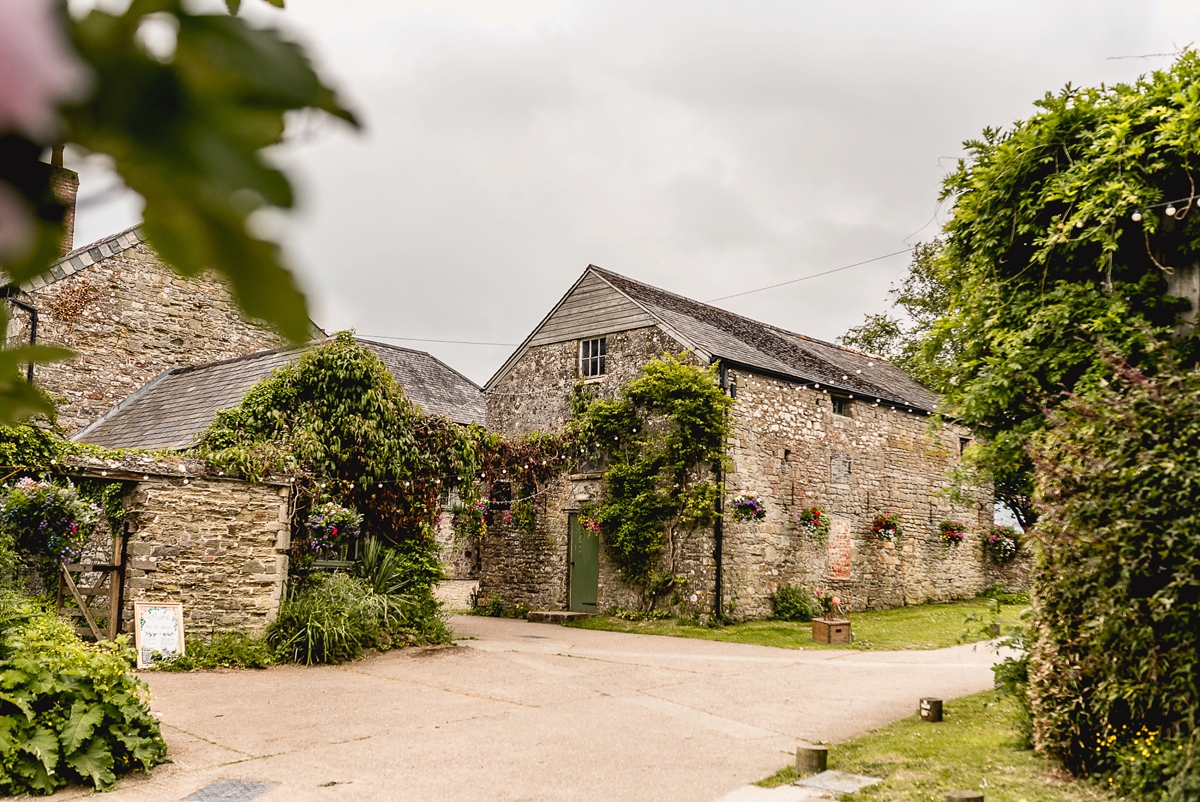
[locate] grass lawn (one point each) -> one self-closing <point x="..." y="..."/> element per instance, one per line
<point x="925" y="626"/>
<point x="972" y="749"/>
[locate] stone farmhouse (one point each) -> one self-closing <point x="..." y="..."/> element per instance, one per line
<point x="128" y="317"/>
<point x="813" y="424"/>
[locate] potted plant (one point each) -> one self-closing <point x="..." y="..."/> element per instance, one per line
<point x="50" y="523"/>
<point x="332" y="531"/>
<point x="748" y="507"/>
<point x="832" y="626"/>
<point x="887" y="526"/>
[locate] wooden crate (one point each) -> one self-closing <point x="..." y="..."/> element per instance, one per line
<point x="831" y="630"/>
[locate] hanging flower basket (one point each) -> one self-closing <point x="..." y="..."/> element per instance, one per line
<point x="1002" y="544"/>
<point x="952" y="532"/>
<point x="887" y="526"/>
<point x="814" y="522"/>
<point x="748" y="507"/>
<point x="331" y="530"/>
<point x="49" y="523"/>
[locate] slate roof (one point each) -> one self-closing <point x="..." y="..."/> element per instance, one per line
<point x="716" y="334"/>
<point x="87" y="256"/>
<point x="172" y="409"/>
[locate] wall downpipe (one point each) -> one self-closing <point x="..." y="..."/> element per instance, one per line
<point x="719" y="526"/>
<point x="33" y="324"/>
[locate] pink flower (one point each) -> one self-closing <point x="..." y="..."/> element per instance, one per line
<point x="37" y="68"/>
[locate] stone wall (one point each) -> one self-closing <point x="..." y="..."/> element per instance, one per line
<point x="129" y="318"/>
<point x="459" y="556"/>
<point x="790" y="448"/>
<point x="218" y="546"/>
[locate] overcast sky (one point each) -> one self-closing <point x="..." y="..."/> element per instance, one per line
<point x="706" y="148"/>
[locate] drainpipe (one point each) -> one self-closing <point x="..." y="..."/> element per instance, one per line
<point x="719" y="538"/>
<point x="33" y="321"/>
<point x="719" y="526"/>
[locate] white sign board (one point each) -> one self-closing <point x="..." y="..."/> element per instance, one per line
<point x="158" y="634"/>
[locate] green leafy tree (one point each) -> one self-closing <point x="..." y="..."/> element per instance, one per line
<point x="1059" y="246"/>
<point x="338" y="419"/>
<point x="921" y="299"/>
<point x="664" y="439"/>
<point x="187" y="122"/>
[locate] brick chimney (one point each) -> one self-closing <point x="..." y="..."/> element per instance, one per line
<point x="65" y="184"/>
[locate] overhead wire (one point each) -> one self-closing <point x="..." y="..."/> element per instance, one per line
<point x="813" y="275"/>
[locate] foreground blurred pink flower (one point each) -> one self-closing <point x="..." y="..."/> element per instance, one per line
<point x="37" y="68"/>
<point x="37" y="71"/>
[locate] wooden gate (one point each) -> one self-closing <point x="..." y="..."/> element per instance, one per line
<point x="101" y="600"/>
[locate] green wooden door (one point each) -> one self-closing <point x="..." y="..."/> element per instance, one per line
<point x="585" y="567"/>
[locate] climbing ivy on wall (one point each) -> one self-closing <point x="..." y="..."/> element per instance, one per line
<point x="664" y="442"/>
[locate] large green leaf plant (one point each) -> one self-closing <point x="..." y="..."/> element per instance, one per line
<point x="186" y="115"/>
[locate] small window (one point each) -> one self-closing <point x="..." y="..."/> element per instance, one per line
<point x="592" y="355"/>
<point x="841" y="406"/>
<point x="963" y="442"/>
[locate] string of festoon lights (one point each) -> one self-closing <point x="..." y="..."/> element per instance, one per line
<point x="1170" y="211"/>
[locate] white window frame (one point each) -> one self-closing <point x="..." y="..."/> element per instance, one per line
<point x="593" y="365"/>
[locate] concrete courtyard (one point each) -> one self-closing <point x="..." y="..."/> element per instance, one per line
<point x="521" y="711"/>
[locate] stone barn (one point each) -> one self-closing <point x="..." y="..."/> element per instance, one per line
<point x="813" y="424"/>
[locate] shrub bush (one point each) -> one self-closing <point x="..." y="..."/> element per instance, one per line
<point x="1003" y="596"/>
<point x="337" y="616"/>
<point x="1116" y="634"/>
<point x="221" y="650"/>
<point x="494" y="607"/>
<point x="794" y="604"/>
<point x="70" y="712"/>
<point x="639" y="615"/>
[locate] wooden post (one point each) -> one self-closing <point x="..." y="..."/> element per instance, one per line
<point x="964" y="796"/>
<point x="811" y="759"/>
<point x="931" y="709"/>
<point x="115" y="577"/>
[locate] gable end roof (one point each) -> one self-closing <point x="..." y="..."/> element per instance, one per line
<point x="718" y="334"/>
<point x="87" y="256"/>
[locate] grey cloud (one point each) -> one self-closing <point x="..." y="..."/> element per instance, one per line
<point x="705" y="147"/>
